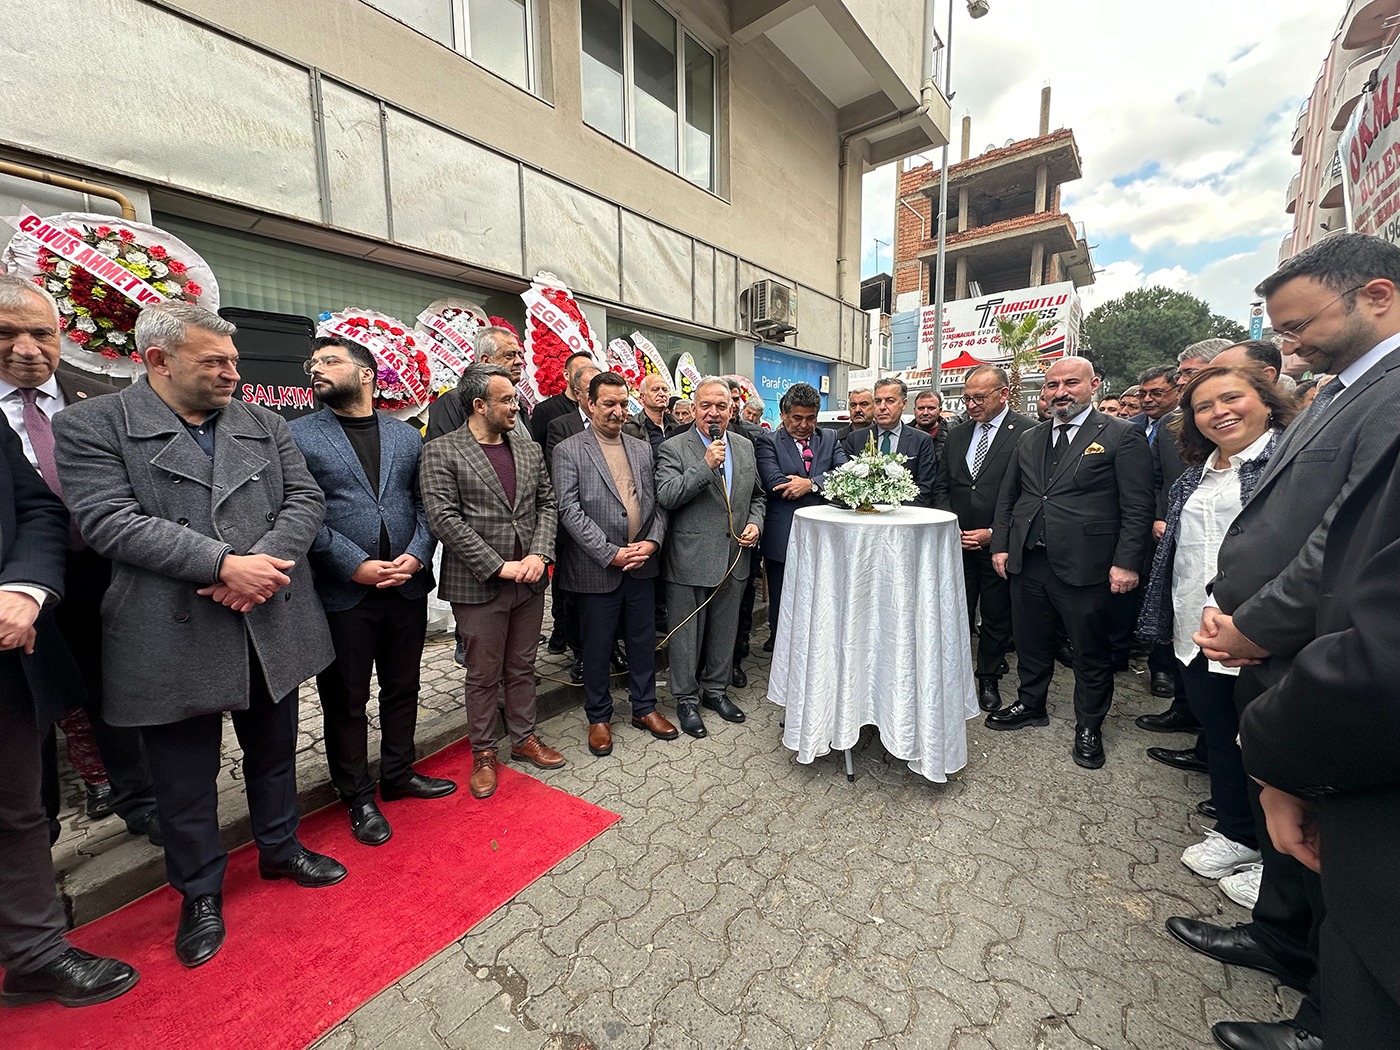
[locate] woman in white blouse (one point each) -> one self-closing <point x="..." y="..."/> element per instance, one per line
<point x="1231" y="421"/>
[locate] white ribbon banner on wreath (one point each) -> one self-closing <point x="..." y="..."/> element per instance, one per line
<point x="558" y="322"/>
<point x="456" y="338"/>
<point x="388" y="354"/>
<point x="74" y="250"/>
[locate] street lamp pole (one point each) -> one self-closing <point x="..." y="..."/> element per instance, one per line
<point x="976" y="9"/>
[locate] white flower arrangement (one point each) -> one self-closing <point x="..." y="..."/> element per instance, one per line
<point x="870" y="479"/>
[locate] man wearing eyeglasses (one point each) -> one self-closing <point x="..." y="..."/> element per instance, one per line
<point x="371" y="559"/>
<point x="1336" y="305"/>
<point x="493" y="346"/>
<point x="969" y="477"/>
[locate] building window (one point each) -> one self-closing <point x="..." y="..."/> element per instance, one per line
<point x="497" y="34"/>
<point x="650" y="84"/>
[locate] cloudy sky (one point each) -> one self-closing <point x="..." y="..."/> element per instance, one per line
<point x="1183" y="113"/>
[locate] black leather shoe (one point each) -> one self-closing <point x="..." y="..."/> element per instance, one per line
<point x="1065" y="655"/>
<point x="1088" y="747"/>
<point x="556" y="643"/>
<point x="576" y="671"/>
<point x="737" y="678"/>
<point x="306" y="869"/>
<point x="1206" y="809"/>
<point x="768" y="644"/>
<point x="1163" y="684"/>
<point x="75" y="978"/>
<point x="1172" y="720"/>
<point x="1235" y="945"/>
<point x="988" y="694"/>
<point x="1186" y="759"/>
<point x="1016" y="716"/>
<point x="147" y="824"/>
<point x="1003" y="667"/>
<point x="99" y="800"/>
<point x="368" y="825"/>
<point x="721" y="705"/>
<point x="618" y="660"/>
<point x="688" y="715"/>
<point x="1269" y="1035"/>
<point x="201" y="932"/>
<point x="417" y="786"/>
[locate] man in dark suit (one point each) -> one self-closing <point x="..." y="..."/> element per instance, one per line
<point x="38" y="684"/>
<point x="566" y="402"/>
<point x="977" y="456"/>
<point x="490" y="504"/>
<point x="793" y="462"/>
<point x="1073" y="520"/>
<point x="34" y="387"/>
<point x="605" y="485"/>
<point x="494" y="346"/>
<point x="1324" y="738"/>
<point x="1335" y="305"/>
<point x="892" y="435"/>
<point x="371" y="558"/>
<point x="207" y="511"/>
<point x="711" y="487"/>
<point x="860" y="405"/>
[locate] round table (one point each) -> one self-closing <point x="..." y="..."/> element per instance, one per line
<point x="873" y="630"/>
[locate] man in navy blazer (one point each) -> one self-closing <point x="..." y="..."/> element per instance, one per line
<point x="371" y="559"/>
<point x="891" y="435"/>
<point x="792" y="465"/>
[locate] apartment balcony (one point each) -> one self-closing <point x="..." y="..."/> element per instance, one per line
<point x="1300" y="127"/>
<point x="1333" y="192"/>
<point x="1285" y="248"/>
<point x="1007" y="245"/>
<point x="1368" y="23"/>
<point x="1346" y="94"/>
<point x="1290" y="198"/>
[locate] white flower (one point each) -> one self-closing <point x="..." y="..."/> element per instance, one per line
<point x="87" y="324"/>
<point x="860" y="470"/>
<point x="64" y="269"/>
<point x="116" y="337"/>
<point x="108" y="249"/>
<point x="158" y="269"/>
<point x="139" y="258"/>
<point x="65" y="306"/>
<point x="54" y="286"/>
<point x="894" y="470"/>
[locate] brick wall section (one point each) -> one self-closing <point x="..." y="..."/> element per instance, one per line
<point x="909" y="228"/>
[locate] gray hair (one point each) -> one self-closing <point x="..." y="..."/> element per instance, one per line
<point x="476" y="381"/>
<point x="893" y="381"/>
<point x="14" y="289"/>
<point x="995" y="371"/>
<point x="167" y="325"/>
<point x="1206" y="350"/>
<point x="859" y="390"/>
<point x="486" y="341"/>
<point x="712" y="381"/>
<point x="1286" y="384"/>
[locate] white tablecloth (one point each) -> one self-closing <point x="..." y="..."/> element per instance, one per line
<point x="873" y="630"/>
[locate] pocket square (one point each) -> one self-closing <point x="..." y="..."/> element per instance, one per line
<point x="1094" y="449"/>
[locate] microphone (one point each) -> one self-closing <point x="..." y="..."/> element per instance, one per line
<point x="714" y="436"/>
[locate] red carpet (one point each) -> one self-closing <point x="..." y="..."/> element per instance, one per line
<point x="297" y="961"/>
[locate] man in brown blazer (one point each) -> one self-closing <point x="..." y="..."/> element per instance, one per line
<point x="489" y="501"/>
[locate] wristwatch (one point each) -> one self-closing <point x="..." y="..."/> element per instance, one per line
<point x="816" y="489"/>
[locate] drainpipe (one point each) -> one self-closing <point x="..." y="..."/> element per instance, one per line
<point x="923" y="236"/>
<point x="19" y="171"/>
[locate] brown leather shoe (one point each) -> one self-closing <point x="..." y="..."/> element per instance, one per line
<point x="599" y="738"/>
<point x="483" y="782"/>
<point x="657" y="725"/>
<point x="537" y="753"/>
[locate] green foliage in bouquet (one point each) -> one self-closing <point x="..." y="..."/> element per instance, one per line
<point x="871" y="478"/>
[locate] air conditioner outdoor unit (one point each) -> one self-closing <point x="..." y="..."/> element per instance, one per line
<point x="771" y="307"/>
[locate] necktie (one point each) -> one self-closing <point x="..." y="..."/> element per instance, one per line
<point x="805" y="448"/>
<point x="1151" y="431"/>
<point x="1061" y="442"/>
<point x="980" y="455"/>
<point x="1325" y="396"/>
<point x="40" y="433"/>
<point x="885" y="443"/>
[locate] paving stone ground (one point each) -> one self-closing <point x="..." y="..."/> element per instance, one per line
<point x="745" y="900"/>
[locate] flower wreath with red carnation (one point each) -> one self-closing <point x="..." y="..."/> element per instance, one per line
<point x="555" y="328"/>
<point x="403" y="379"/>
<point x="448" y="328"/>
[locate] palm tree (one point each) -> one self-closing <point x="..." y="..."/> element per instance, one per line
<point x="1020" y="342"/>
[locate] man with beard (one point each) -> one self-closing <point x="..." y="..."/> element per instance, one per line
<point x="1073" y="520"/>
<point x="371" y="559"/>
<point x="495" y="346"/>
<point x="860" y="404"/>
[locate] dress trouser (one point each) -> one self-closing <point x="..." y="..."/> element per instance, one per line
<point x="745" y="622"/>
<point x="502" y="636"/>
<point x="1036" y="593"/>
<point x="774" y="571"/>
<point x="185" y="759"/>
<point x="32" y="922"/>
<point x="385" y="633"/>
<point x="632" y="606"/>
<point x="984" y="586"/>
<point x="702" y="651"/>
<point x="1212" y="700"/>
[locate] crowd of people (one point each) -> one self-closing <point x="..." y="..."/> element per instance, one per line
<point x="1236" y="532"/>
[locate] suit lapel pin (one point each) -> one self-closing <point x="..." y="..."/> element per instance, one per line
<point x="82" y="394"/>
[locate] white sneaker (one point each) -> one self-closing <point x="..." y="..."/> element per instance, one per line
<point x="1217" y="856"/>
<point x="1243" y="886"/>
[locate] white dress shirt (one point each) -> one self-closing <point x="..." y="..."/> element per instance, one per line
<point x="991" y="435"/>
<point x="1204" y="520"/>
<point x="50" y="399"/>
<point x="1074" y="424"/>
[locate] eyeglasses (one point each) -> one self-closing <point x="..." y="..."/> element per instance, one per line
<point x="1294" y="334"/>
<point x="324" y="362"/>
<point x="980" y="399"/>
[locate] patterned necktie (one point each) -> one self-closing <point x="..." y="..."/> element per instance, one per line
<point x="805" y="448"/>
<point x="980" y="456"/>
<point x="40" y="433"/>
<point x="885" y="443"/>
<point x="1325" y="396"/>
<point x="1151" y="431"/>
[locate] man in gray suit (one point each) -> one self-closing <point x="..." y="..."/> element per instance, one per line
<point x="490" y="503"/>
<point x="606" y="487"/>
<point x="710" y="484"/>
<point x="1336" y="305"/>
<point x="372" y="558"/>
<point x="206" y="510"/>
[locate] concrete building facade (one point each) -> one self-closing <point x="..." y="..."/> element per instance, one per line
<point x="659" y="157"/>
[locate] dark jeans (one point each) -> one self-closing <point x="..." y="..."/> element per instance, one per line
<point x="1212" y="700"/>
<point x="383" y="633"/>
<point x="632" y="607"/>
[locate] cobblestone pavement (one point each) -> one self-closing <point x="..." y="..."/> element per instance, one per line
<point x="748" y="901"/>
